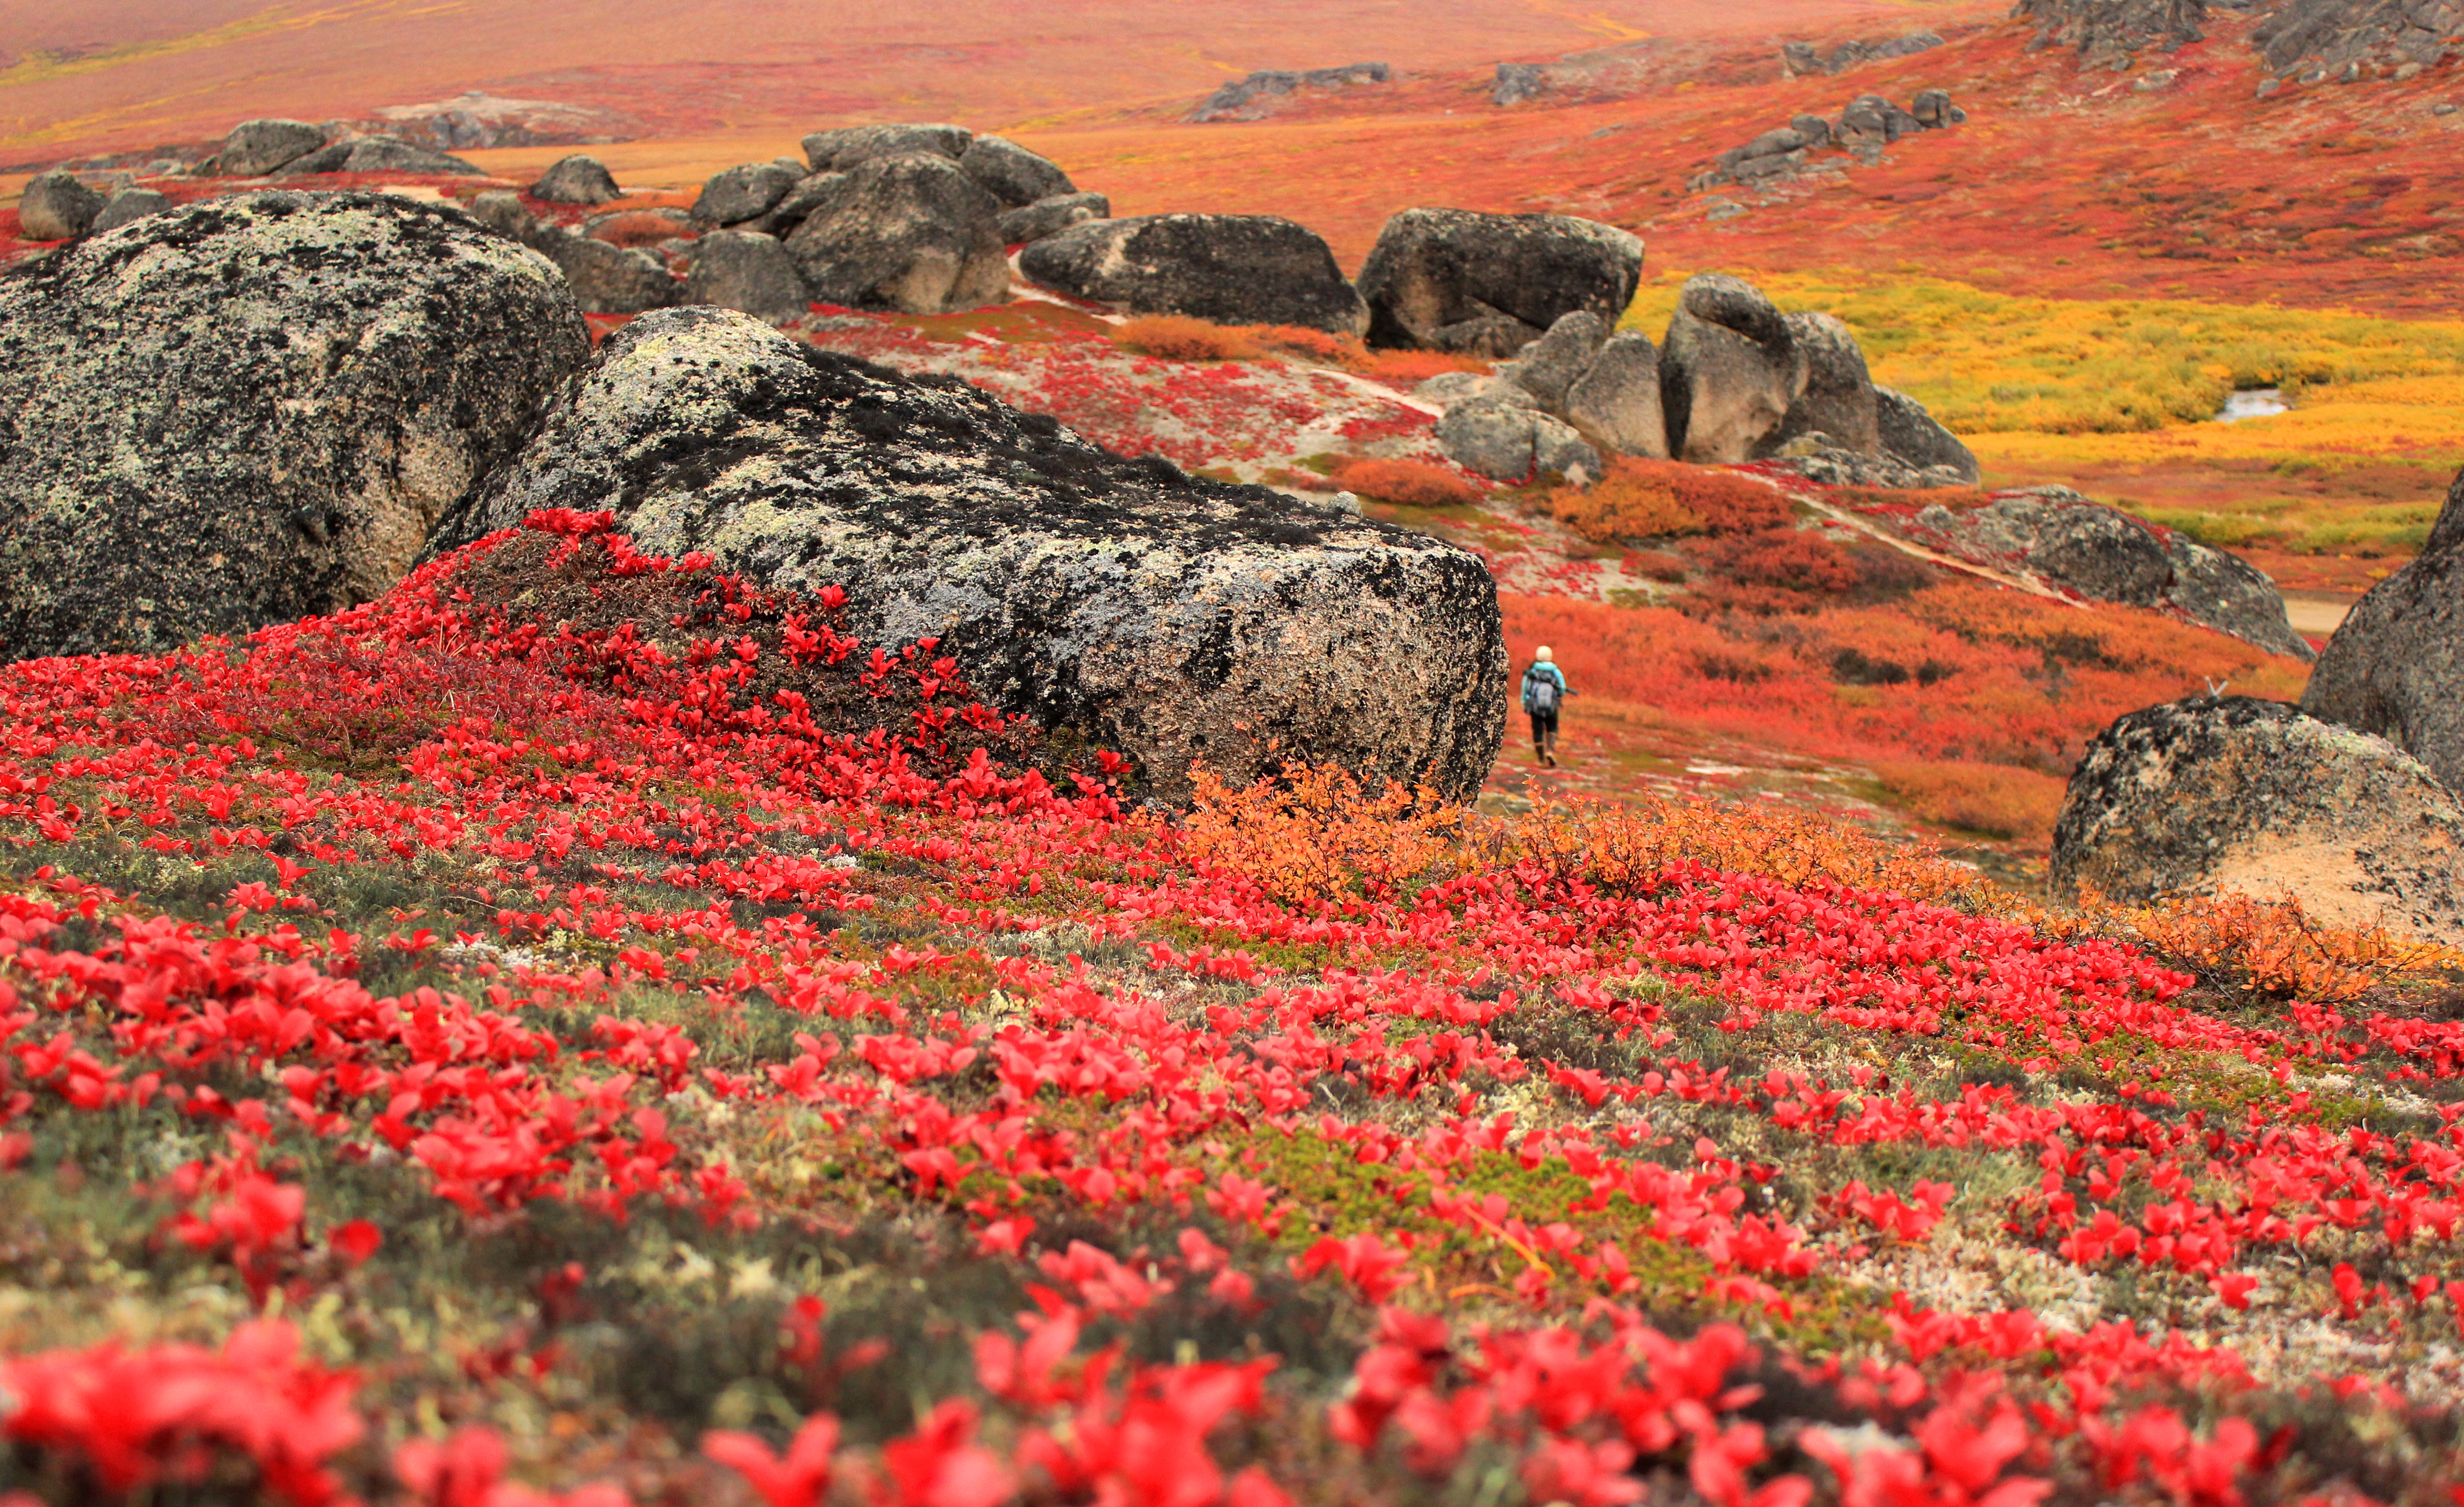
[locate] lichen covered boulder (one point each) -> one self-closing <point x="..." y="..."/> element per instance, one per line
<point x="1181" y="621"/>
<point x="1233" y="269"/>
<point x="907" y="232"/>
<point x="1486" y="284"/>
<point x="2236" y="793"/>
<point x="1729" y="371"/>
<point x="2396" y="666"/>
<point x="251" y="409"/>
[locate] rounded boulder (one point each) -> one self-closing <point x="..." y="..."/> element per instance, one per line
<point x="2396" y="666"/>
<point x="1486" y="284"/>
<point x="1233" y="269"/>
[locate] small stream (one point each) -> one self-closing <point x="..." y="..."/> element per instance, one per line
<point x="2252" y="403"/>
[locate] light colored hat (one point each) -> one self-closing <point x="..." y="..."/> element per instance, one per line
<point x="1541" y="654"/>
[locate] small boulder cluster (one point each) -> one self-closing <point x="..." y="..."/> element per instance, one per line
<point x="58" y="205"/>
<point x="1733" y="380"/>
<point x="1867" y="124"/>
<point x="2352" y="803"/>
<point x="1804" y="58"/>
<point x="1259" y="95"/>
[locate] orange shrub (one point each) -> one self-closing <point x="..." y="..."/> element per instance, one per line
<point x="1415" y="483"/>
<point x="1299" y="339"/>
<point x="1175" y="337"/>
<point x="1634" y="500"/>
<point x="1990" y="798"/>
<point x="1409" y="368"/>
<point x="1317" y="835"/>
<point x="2272" y="947"/>
<point x="636" y="228"/>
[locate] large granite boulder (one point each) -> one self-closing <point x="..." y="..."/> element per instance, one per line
<point x="1233" y="269"/>
<point x="853" y="146"/>
<point x="748" y="272"/>
<point x="1011" y="173"/>
<point x="389" y="154"/>
<point x="1915" y="437"/>
<point x="55" y="207"/>
<point x="609" y="278"/>
<point x="1616" y="399"/>
<point x="1179" y="620"/>
<point x="254" y="148"/>
<point x="1837" y="399"/>
<point x="911" y="232"/>
<point x="1033" y="222"/>
<point x="578" y="179"/>
<point x="2106" y="555"/>
<point x="1486" y="285"/>
<point x="1549" y="366"/>
<point x="1729" y="371"/>
<point x="128" y="206"/>
<point x="744" y="193"/>
<point x="2395" y="667"/>
<point x="250" y="410"/>
<point x="2234" y="793"/>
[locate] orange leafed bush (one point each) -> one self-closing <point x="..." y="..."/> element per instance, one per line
<point x="1409" y="368"/>
<point x="1996" y="799"/>
<point x="1174" y="337"/>
<point x="2273" y="947"/>
<point x="636" y="228"/>
<point x="1634" y="500"/>
<point x="1415" y="483"/>
<point x="1316" y="836"/>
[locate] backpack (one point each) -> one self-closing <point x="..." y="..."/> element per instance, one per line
<point x="1539" y="691"/>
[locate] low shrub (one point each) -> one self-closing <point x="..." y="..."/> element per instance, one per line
<point x="1635" y="501"/>
<point x="1783" y="559"/>
<point x="1662" y="566"/>
<point x="636" y="228"/>
<point x="1176" y="337"/>
<point x="1414" y="483"/>
<point x="1299" y="339"/>
<point x="1409" y="368"/>
<point x="1994" y="799"/>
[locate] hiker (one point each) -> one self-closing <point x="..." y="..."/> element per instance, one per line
<point x="1544" y="688"/>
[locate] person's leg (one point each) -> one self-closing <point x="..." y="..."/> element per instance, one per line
<point x="1540" y="736"/>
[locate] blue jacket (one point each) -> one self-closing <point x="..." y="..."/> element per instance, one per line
<point x="1544" y="671"/>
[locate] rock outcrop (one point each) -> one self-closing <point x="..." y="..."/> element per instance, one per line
<point x="2111" y="34"/>
<point x="254" y="148"/>
<point x="1616" y="398"/>
<point x="1910" y="433"/>
<point x="851" y="147"/>
<point x="1033" y="222"/>
<point x="2106" y="554"/>
<point x="1011" y="173"/>
<point x="578" y="179"/>
<point x="747" y="272"/>
<point x="1233" y="269"/>
<point x="1256" y="97"/>
<point x="2313" y="41"/>
<point x="1548" y="367"/>
<point x="744" y="193"/>
<point x="907" y="230"/>
<point x="1518" y="83"/>
<point x="1488" y="284"/>
<point x="1729" y="371"/>
<point x="55" y="207"/>
<point x="205" y="439"/>
<point x="1805" y="57"/>
<point x="1835" y="396"/>
<point x="2395" y="667"/>
<point x="1179" y="620"/>
<point x="2233" y="793"/>
<point x="1861" y="129"/>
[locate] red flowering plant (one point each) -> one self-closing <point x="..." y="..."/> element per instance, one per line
<point x="627" y="1040"/>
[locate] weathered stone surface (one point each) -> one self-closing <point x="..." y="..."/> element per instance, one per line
<point x="1011" y="173"/>
<point x="254" y="148"/>
<point x="1910" y="434"/>
<point x="852" y="145"/>
<point x="129" y="205"/>
<point x="1838" y="396"/>
<point x="811" y="192"/>
<point x="576" y="179"/>
<point x="392" y="154"/>
<point x="1457" y="279"/>
<point x="1616" y="399"/>
<point x="1518" y="83"/>
<point x="2108" y="33"/>
<point x="1728" y="371"/>
<point x="1253" y="97"/>
<point x="1179" y="620"/>
<point x="1491" y="433"/>
<point x="2109" y="556"/>
<point x="1933" y="109"/>
<point x="747" y="272"/>
<point x="502" y="210"/>
<point x="2397" y="665"/>
<point x="1557" y="448"/>
<point x="744" y="193"/>
<point x="909" y="233"/>
<point x="2348" y="39"/>
<point x="1548" y="367"/>
<point x="249" y="410"/>
<point x="1234" y="269"/>
<point x="1051" y="216"/>
<point x="56" y="207"/>
<point x="2233" y="793"/>
<point x="610" y="280"/>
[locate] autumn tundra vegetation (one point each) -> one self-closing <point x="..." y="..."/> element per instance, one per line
<point x="875" y="881"/>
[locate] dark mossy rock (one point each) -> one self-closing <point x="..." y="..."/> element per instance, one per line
<point x="1486" y="284"/>
<point x="2236" y="793"/>
<point x="1913" y="436"/>
<point x="907" y="232"/>
<point x="250" y="410"/>
<point x="1233" y="269"/>
<point x="2396" y="666"/>
<point x="1179" y="620"/>
<point x="576" y="179"/>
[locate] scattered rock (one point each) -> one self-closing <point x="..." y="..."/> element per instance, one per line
<point x="1254" y="97"/>
<point x="2110" y="33"/>
<point x="1486" y="285"/>
<point x="1518" y="83"/>
<point x="1233" y="269"/>
<point x="1911" y="435"/>
<point x="2109" y="556"/>
<point x="2234" y="794"/>
<point x="1176" y="619"/>
<point x="744" y="193"/>
<point x="1051" y="216"/>
<point x="1491" y="431"/>
<point x="205" y="442"/>
<point x="748" y="272"/>
<point x="1011" y="173"/>
<point x="475" y="118"/>
<point x="129" y="205"/>
<point x="502" y="210"/>
<point x="55" y="207"/>
<point x="1549" y="365"/>
<point x="851" y="147"/>
<point x="254" y="148"/>
<point x="909" y="232"/>
<point x="2358" y="39"/>
<point x="2397" y="665"/>
<point x="1804" y="58"/>
<point x="389" y="154"/>
<point x="1616" y="399"/>
<point x="1835" y="397"/>
<point x="1729" y="371"/>
<point x="577" y="180"/>
<point x="610" y="280"/>
<point x="1933" y="109"/>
